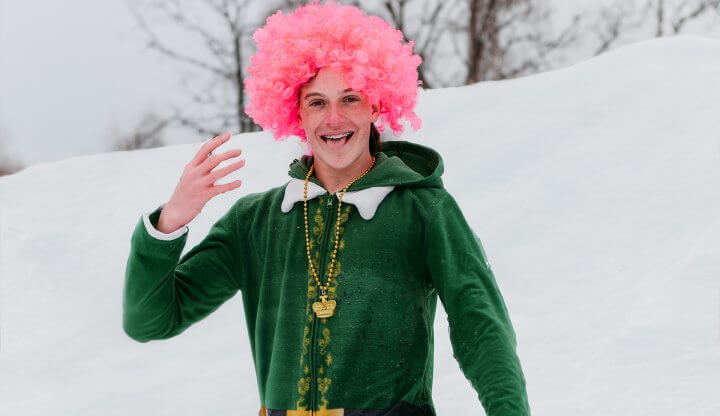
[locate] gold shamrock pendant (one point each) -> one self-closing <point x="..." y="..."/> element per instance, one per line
<point x="324" y="308"/>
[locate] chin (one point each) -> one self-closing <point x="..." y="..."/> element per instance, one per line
<point x="335" y="161"/>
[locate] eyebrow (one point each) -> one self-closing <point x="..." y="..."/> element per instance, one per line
<point x="320" y="95"/>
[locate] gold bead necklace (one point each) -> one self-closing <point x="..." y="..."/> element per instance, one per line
<point x="325" y="308"/>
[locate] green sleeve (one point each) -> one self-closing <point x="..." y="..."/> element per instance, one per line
<point x="163" y="296"/>
<point x="481" y="333"/>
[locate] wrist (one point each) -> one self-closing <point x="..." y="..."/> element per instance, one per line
<point x="166" y="224"/>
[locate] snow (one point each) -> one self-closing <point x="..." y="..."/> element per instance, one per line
<point x="594" y="189"/>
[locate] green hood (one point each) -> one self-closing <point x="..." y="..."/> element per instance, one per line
<point x="399" y="163"/>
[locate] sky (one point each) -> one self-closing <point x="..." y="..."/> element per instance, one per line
<point x="76" y="74"/>
<point x="71" y="74"/>
<point x="593" y="188"/>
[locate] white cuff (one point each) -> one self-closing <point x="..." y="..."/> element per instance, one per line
<point x="154" y="232"/>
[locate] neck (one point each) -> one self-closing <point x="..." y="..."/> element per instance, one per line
<point x="335" y="180"/>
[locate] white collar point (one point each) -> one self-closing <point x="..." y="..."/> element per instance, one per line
<point x="366" y="201"/>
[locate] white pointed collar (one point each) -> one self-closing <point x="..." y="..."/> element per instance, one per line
<point x="366" y="201"/>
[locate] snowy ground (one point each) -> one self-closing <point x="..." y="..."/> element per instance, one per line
<point x="595" y="190"/>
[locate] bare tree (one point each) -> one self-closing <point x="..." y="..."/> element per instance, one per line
<point x="466" y="41"/>
<point x="224" y="37"/>
<point x="424" y="22"/>
<point x="617" y="19"/>
<point x="529" y="44"/>
<point x="677" y="14"/>
<point x="623" y="19"/>
<point x="659" y="17"/>
<point x="146" y="135"/>
<point x="501" y="39"/>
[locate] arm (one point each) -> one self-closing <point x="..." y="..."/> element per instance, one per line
<point x="163" y="296"/>
<point x="481" y="333"/>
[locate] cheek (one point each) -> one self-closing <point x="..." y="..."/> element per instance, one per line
<point x="362" y="114"/>
<point x="306" y="120"/>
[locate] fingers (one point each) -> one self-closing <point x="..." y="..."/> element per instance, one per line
<point x="227" y="169"/>
<point x="204" y="162"/>
<point x="212" y="161"/>
<point x="220" y="189"/>
<point x="208" y="147"/>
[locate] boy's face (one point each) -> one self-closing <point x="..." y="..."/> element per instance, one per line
<point x="336" y="120"/>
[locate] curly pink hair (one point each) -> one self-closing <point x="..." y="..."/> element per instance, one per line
<point x="292" y="49"/>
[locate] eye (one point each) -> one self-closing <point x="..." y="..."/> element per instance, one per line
<point x="316" y="103"/>
<point x="351" y="99"/>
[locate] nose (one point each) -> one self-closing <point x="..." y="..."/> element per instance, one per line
<point x="335" y="114"/>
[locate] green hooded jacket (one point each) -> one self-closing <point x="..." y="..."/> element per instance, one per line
<point x="403" y="243"/>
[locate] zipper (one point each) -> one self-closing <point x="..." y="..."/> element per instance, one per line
<point x="321" y="274"/>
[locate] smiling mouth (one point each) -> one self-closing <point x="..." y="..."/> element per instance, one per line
<point x="337" y="137"/>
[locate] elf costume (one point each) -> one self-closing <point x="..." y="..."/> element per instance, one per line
<point x="403" y="242"/>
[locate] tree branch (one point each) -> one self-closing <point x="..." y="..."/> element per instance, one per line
<point x="155" y="43"/>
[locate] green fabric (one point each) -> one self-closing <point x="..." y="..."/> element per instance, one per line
<point x="377" y="350"/>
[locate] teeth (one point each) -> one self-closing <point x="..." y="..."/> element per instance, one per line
<point x="337" y="136"/>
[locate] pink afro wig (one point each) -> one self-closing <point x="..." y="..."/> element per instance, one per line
<point x="292" y="49"/>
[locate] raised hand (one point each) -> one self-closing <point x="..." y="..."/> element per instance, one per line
<point x="197" y="184"/>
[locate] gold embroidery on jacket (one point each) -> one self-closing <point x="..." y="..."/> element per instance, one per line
<point x="324" y="380"/>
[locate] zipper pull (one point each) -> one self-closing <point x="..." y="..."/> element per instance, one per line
<point x="329" y="203"/>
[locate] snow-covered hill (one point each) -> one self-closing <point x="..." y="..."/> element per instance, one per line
<point x="595" y="190"/>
